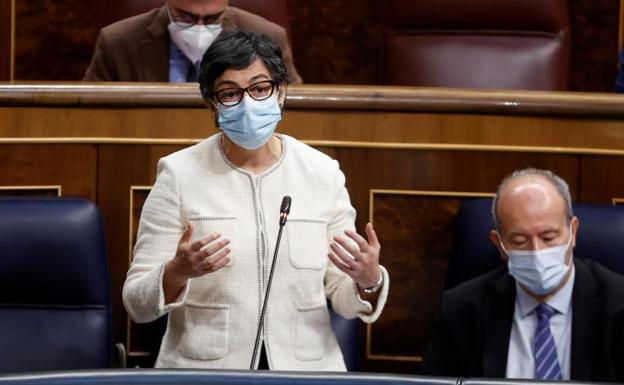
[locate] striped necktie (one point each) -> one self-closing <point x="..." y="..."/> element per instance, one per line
<point x="544" y="349"/>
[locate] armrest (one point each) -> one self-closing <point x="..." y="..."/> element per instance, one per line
<point x="119" y="356"/>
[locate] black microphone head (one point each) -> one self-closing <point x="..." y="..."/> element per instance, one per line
<point x="285" y="209"/>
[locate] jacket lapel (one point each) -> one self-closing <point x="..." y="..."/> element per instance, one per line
<point x="585" y="310"/>
<point x="498" y="313"/>
<point x="154" y="50"/>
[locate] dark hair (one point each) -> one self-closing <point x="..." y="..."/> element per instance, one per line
<point x="238" y="49"/>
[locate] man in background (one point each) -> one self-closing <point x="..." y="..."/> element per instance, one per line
<point x="546" y="314"/>
<point x="167" y="44"/>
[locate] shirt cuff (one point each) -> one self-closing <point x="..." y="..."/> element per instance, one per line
<point x="367" y="314"/>
<point x="179" y="301"/>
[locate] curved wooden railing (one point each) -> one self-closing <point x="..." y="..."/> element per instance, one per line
<point x="331" y="97"/>
<point x="322" y="115"/>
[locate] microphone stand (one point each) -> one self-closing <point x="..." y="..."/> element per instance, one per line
<point x="285" y="209"/>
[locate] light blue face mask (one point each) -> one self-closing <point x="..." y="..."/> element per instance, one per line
<point x="251" y="123"/>
<point x="540" y="271"/>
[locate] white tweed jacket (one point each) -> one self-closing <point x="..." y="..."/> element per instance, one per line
<point x="213" y="322"/>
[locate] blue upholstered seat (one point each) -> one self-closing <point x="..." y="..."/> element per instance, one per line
<point x="55" y="305"/>
<point x="600" y="237"/>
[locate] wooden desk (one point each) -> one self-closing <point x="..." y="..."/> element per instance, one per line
<point x="410" y="155"/>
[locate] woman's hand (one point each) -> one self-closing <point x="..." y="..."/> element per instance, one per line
<point x="359" y="261"/>
<point x="192" y="260"/>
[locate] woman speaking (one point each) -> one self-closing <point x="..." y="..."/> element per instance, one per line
<point x="209" y="226"/>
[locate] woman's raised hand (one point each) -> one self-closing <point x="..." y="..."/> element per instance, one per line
<point x="193" y="259"/>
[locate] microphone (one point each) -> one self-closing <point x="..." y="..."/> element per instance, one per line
<point x="284" y="211"/>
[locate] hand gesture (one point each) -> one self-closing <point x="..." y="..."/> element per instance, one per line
<point x="360" y="261"/>
<point x="192" y="260"/>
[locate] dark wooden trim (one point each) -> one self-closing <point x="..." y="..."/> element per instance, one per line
<point x="325" y="97"/>
<point x="6" y="37"/>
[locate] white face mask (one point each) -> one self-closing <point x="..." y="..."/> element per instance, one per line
<point x="540" y="271"/>
<point x="195" y="40"/>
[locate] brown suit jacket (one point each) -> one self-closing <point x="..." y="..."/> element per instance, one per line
<point x="136" y="49"/>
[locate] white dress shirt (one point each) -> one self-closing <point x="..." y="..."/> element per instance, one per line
<point x="520" y="359"/>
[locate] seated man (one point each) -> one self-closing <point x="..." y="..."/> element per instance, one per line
<point x="545" y="315"/>
<point x="167" y="44"/>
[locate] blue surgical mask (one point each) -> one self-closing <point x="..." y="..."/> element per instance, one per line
<point x="540" y="271"/>
<point x="251" y="123"/>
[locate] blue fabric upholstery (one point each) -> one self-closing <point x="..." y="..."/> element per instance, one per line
<point x="217" y="377"/>
<point x="600" y="237"/>
<point x="55" y="305"/>
<point x="348" y="335"/>
<point x="472" y="253"/>
<point x="619" y="79"/>
<point x="601" y="234"/>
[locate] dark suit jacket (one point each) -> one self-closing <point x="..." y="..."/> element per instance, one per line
<point x="137" y="48"/>
<point x="471" y="338"/>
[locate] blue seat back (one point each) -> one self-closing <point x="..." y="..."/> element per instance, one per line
<point x="55" y="305"/>
<point x="348" y="335"/>
<point x="600" y="237"/>
<point x="601" y="234"/>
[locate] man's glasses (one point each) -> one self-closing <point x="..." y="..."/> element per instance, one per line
<point x="258" y="91"/>
<point x="187" y="20"/>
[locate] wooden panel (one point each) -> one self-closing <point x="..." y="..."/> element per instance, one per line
<point x="603" y="179"/>
<point x="31" y="191"/>
<point x="106" y="123"/>
<point x="6" y="38"/>
<point x="142" y="340"/>
<point x="595" y="34"/>
<point x="344" y="129"/>
<point x="336" y="41"/>
<point x="416" y="233"/>
<point x="367" y="169"/>
<point x="119" y="168"/>
<point x="70" y="166"/>
<point x="54" y="40"/>
<point x="373" y="117"/>
<point x="138" y="340"/>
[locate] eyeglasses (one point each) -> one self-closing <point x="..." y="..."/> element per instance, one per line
<point x="230" y="97"/>
<point x="187" y="20"/>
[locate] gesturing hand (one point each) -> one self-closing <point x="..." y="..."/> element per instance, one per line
<point x="192" y="260"/>
<point x="359" y="261"/>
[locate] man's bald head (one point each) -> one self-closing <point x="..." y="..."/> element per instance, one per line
<point x="540" y="188"/>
